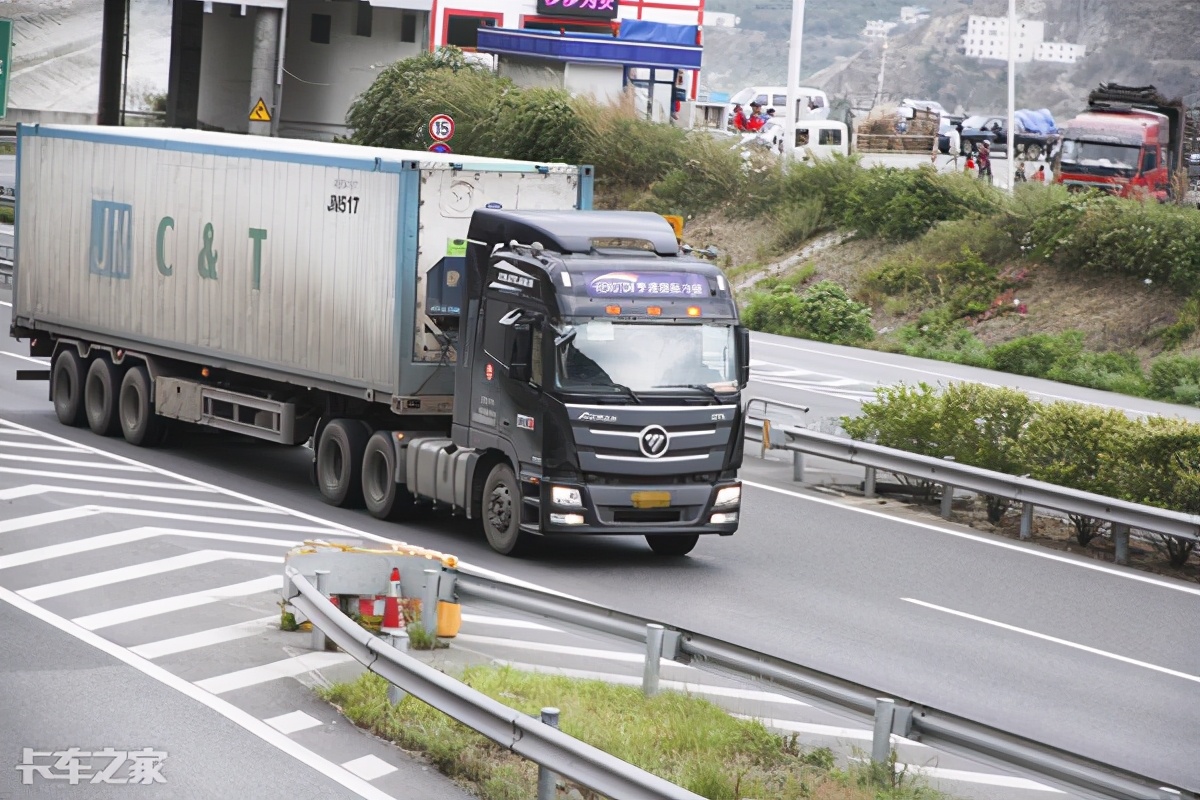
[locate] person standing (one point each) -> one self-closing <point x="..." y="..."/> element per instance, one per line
<point x="739" y="119"/>
<point x="955" y="136"/>
<point x="985" y="160"/>
<point x="1040" y="175"/>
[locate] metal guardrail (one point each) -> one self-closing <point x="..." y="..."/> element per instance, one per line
<point x="899" y="717"/>
<point x="1017" y="488"/>
<point x="527" y="737"/>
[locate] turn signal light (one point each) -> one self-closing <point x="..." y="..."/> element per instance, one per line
<point x="612" y="309"/>
<point x="204" y="372"/>
<point x="693" y="311"/>
<point x="654" y="311"/>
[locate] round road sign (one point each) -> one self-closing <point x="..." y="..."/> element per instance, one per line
<point x="439" y="147"/>
<point x="441" y="128"/>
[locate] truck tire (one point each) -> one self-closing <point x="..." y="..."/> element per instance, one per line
<point x="384" y="498"/>
<point x="100" y="396"/>
<point x="672" y="545"/>
<point x="339" y="462"/>
<point x="501" y="512"/>
<point x="1033" y="151"/>
<point x="66" y="388"/>
<point x="140" y="426"/>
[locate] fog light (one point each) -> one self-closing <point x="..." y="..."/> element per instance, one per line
<point x="569" y="519"/>
<point x="723" y="519"/>
<point x="565" y="496"/>
<point x="729" y="496"/>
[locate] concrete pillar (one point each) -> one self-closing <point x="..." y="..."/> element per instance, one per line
<point x="112" y="56"/>
<point x="262" y="66"/>
<point x="183" y="82"/>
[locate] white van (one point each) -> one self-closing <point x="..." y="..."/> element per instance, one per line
<point x="817" y="139"/>
<point x="813" y="103"/>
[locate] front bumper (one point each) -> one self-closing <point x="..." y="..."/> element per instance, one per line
<point x="639" y="509"/>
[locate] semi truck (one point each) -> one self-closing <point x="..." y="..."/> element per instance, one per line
<point x="441" y="329"/>
<point x="1130" y="142"/>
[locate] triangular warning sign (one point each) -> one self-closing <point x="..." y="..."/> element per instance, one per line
<point x="259" y="113"/>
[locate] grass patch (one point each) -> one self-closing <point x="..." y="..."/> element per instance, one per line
<point x="686" y="740"/>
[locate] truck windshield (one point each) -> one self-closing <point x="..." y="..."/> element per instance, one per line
<point x="1098" y="158"/>
<point x="619" y="356"/>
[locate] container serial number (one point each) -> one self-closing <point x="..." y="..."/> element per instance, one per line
<point x="342" y="204"/>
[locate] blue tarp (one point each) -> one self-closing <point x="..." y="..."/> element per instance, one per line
<point x="1040" y="121"/>
<point x="588" y="49"/>
<point x="639" y="30"/>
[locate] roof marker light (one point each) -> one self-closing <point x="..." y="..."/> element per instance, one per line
<point x="654" y="311"/>
<point x="693" y="311"/>
<point x="612" y="309"/>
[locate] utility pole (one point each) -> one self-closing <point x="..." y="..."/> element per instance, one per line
<point x="1012" y="91"/>
<point x="792" y="115"/>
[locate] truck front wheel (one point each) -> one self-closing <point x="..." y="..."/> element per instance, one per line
<point x="66" y="388"/>
<point x="670" y="545"/>
<point x="501" y="512"/>
<point x="339" y="462"/>
<point x="100" y="396"/>
<point x="385" y="498"/>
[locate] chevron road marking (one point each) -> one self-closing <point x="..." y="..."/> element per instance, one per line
<point x="70" y="462"/>
<point x="166" y="605"/>
<point x="194" y="641"/>
<point x="32" y="489"/>
<point x="98" y="479"/>
<point x="287" y="668"/>
<point x="127" y="537"/>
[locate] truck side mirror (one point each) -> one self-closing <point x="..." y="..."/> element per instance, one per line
<point x="743" y="355"/>
<point x="520" y="362"/>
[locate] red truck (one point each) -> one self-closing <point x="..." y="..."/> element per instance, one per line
<point x="1129" y="142"/>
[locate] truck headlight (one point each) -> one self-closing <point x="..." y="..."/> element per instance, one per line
<point x="729" y="496"/>
<point x="724" y="519"/>
<point x="566" y="519"/>
<point x="566" y="496"/>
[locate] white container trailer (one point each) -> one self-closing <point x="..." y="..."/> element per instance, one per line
<point x="298" y="261"/>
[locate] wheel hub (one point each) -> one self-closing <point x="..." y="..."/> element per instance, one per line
<point x="500" y="508"/>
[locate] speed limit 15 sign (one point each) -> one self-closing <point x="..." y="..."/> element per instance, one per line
<point x="441" y="128"/>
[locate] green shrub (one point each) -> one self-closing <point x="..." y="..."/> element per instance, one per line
<point x="796" y="223"/>
<point x="943" y="342"/>
<point x="1173" y="375"/>
<point x="824" y="313"/>
<point x="1114" y="372"/>
<point x="901" y="204"/>
<point x="539" y="121"/>
<point x="1037" y="355"/>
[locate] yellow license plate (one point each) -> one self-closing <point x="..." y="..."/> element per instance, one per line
<point x="651" y="499"/>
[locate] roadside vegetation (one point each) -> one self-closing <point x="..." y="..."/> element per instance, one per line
<point x="686" y="740"/>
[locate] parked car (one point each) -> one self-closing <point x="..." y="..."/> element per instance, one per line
<point x="1029" y="144"/>
<point x="813" y="102"/>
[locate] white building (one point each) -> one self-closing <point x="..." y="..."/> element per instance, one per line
<point x="987" y="37"/>
<point x="1061" y="52"/>
<point x="878" y="29"/>
<point x="911" y="15"/>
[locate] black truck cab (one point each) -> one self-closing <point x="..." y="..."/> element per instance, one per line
<point x="605" y="365"/>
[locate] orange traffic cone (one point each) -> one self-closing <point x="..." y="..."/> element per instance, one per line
<point x="391" y="604"/>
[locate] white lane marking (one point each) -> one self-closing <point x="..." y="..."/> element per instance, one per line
<point x="829" y="731"/>
<point x="561" y="649"/>
<point x="500" y="622"/>
<point x="46" y="518"/>
<point x="676" y="686"/>
<point x="5" y="303"/>
<point x="70" y="462"/>
<point x="97" y="580"/>
<point x="25" y="358"/>
<point x="1030" y="550"/>
<point x="1046" y="638"/>
<point x="12" y="432"/>
<point x="97" y="479"/>
<point x="199" y="485"/>
<point x="369" y="767"/>
<point x="166" y="605"/>
<point x="194" y="641"/>
<point x="56" y="448"/>
<point x="293" y="722"/>
<point x="954" y="378"/>
<point x="985" y="778"/>
<point x="75" y="546"/>
<point x="471" y="569"/>
<point x="32" y="489"/>
<point x="249" y="723"/>
<point x="287" y="668"/>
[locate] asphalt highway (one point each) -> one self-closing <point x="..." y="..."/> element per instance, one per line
<point x="1081" y="655"/>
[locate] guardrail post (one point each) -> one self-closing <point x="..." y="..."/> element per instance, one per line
<point x="947" y="494"/>
<point x="318" y="635"/>
<point x="1120" y="535"/>
<point x="869" y="483"/>
<point x="399" y="641"/>
<point x="766" y="438"/>
<point x="881" y="739"/>
<point x="797" y="466"/>
<point x="429" y="602"/>
<point x="1026" y="520"/>
<point x="654" y="648"/>
<point x="547" y="780"/>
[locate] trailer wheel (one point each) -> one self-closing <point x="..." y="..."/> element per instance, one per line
<point x="501" y="512"/>
<point x="66" y="388"/>
<point x="135" y="408"/>
<point x="1033" y="151"/>
<point x="339" y="462"/>
<point x="671" y="545"/>
<point x="100" y="396"/>
<point x="384" y="498"/>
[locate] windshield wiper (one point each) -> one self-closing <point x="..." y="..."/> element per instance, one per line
<point x="704" y="387"/>
<point x="633" y="395"/>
